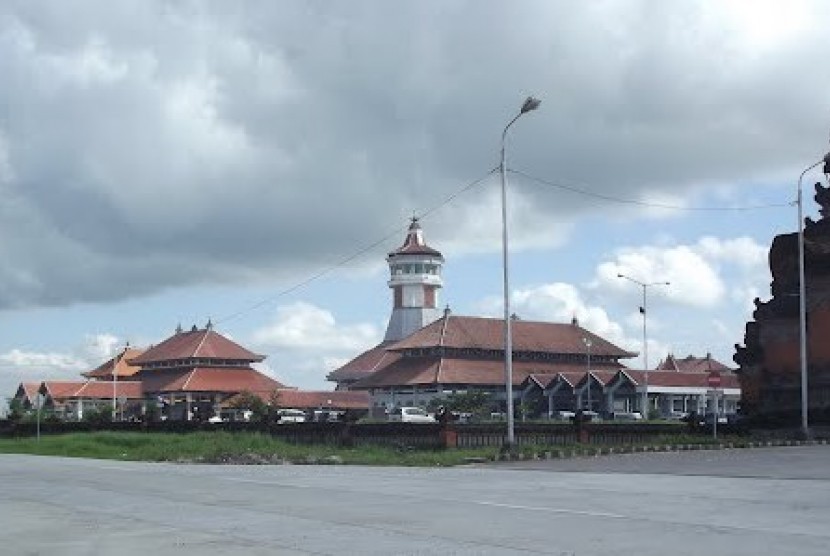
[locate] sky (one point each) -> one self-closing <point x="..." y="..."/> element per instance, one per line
<point x="166" y="163"/>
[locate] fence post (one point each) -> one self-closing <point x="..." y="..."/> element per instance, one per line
<point x="448" y="436"/>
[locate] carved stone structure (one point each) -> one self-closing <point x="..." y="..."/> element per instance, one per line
<point x="769" y="360"/>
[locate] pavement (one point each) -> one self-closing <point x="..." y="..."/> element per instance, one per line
<point x="729" y="502"/>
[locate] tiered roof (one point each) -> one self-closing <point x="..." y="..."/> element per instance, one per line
<point x="197" y="343"/>
<point x="414" y="243"/>
<point x="459" y="350"/>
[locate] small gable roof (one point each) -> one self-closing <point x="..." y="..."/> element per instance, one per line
<point x="27" y="391"/>
<point x="364" y="364"/>
<point x="122" y="366"/>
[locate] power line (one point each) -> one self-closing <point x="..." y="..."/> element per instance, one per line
<point x="588" y="193"/>
<point x="349" y="258"/>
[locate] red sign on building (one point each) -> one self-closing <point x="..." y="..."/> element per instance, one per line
<point x="713" y="380"/>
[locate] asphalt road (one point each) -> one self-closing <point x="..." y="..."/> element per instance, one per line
<point x="736" y="502"/>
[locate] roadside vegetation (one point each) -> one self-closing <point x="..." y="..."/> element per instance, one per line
<point x="258" y="448"/>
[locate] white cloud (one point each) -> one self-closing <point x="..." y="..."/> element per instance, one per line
<point x="32" y="363"/>
<point x="196" y="134"/>
<point x="692" y="279"/>
<point x="305" y="326"/>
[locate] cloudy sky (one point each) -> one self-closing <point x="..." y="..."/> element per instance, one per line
<point x="169" y="162"/>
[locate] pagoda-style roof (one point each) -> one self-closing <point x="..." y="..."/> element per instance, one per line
<point x="414" y="243"/>
<point x="461" y="332"/>
<point x="208" y="379"/>
<point x="202" y="344"/>
<point x="692" y="364"/>
<point x="123" y="368"/>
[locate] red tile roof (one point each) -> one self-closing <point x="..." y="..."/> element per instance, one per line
<point x="129" y="389"/>
<point x="414" y="243"/>
<point x="692" y="364"/>
<point x="122" y="367"/>
<point x="304" y="399"/>
<point x="63" y="390"/>
<point x="60" y="388"/>
<point x="202" y="344"/>
<point x="27" y="391"/>
<point x="488" y="333"/>
<point x="207" y="379"/>
<point x="444" y="370"/>
<point x="364" y="364"/>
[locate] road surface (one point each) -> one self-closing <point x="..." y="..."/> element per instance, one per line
<point x="736" y="502"/>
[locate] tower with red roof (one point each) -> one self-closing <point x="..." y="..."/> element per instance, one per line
<point x="415" y="278"/>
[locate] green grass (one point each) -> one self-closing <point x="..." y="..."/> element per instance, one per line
<point x="245" y="447"/>
<point x="225" y="447"/>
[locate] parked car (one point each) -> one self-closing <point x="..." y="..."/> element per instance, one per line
<point x="563" y="415"/>
<point x="410" y="415"/>
<point x="627" y="416"/>
<point x="291" y="416"/>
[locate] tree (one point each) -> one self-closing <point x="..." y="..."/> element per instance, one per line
<point x="98" y="415"/>
<point x="16" y="410"/>
<point x="479" y="404"/>
<point x="251" y="402"/>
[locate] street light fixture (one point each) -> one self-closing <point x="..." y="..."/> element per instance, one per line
<point x="643" y="311"/>
<point x="529" y="105"/>
<point x="802" y="298"/>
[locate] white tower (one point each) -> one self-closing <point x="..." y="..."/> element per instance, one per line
<point x="415" y="278"/>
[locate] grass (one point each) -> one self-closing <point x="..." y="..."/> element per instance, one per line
<point x="249" y="447"/>
<point x="225" y="447"/>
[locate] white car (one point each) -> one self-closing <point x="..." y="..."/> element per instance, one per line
<point x="291" y="416"/>
<point x="563" y="415"/>
<point x="410" y="415"/>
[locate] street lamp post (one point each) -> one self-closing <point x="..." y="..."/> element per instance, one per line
<point x="802" y="298"/>
<point x="115" y="380"/>
<point x="529" y="105"/>
<point x="644" y="310"/>
<point x="588" y="344"/>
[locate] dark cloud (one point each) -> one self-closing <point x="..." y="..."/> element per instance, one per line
<point x="148" y="145"/>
